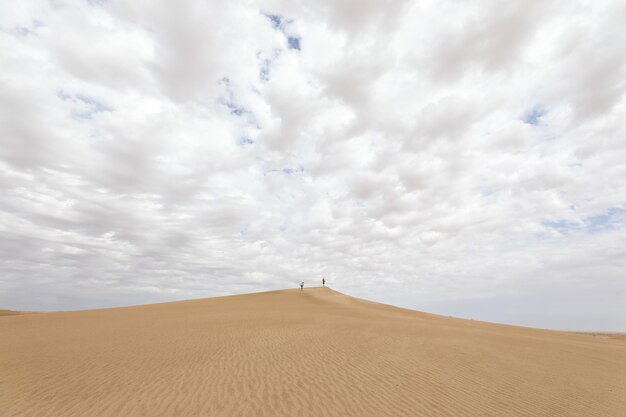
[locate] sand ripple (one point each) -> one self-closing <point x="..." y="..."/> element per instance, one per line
<point x="292" y="353"/>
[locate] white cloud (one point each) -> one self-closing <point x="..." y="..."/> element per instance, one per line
<point x="460" y="157"/>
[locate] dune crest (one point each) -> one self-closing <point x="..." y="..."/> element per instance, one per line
<point x="11" y="313"/>
<point x="315" y="352"/>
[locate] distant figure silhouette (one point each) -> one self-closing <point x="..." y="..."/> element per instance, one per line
<point x="301" y="285"/>
<point x="323" y="282"/>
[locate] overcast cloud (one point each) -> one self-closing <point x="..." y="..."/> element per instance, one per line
<point x="466" y="158"/>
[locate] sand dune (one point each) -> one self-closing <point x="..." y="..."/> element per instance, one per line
<point x="292" y="353"/>
<point x="8" y="312"/>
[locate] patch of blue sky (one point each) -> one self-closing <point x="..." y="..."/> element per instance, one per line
<point x="244" y="142"/>
<point x="92" y="106"/>
<point x="265" y="63"/>
<point x="264" y="70"/>
<point x="229" y="101"/>
<point x="93" y="103"/>
<point x="23" y="31"/>
<point x="275" y="19"/>
<point x="281" y="24"/>
<point x="235" y="109"/>
<point x="232" y="104"/>
<point x="534" y="114"/>
<point x="288" y="171"/>
<point x="63" y="95"/>
<point x="291" y="171"/>
<point x="293" y="42"/>
<point x="563" y="226"/>
<point x="613" y="218"/>
<point x="278" y="22"/>
<point x="87" y="105"/>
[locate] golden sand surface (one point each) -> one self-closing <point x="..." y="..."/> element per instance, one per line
<point x="7" y="313"/>
<point x="291" y="353"/>
<point x="10" y="312"/>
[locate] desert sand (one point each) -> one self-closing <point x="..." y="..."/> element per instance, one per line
<point x="291" y="353"/>
<point x="9" y="313"/>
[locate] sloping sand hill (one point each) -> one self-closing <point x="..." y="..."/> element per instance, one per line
<point x="292" y="353"/>
<point x="9" y="313"/>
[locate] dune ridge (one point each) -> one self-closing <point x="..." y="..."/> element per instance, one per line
<point x="11" y="312"/>
<point x="291" y="353"/>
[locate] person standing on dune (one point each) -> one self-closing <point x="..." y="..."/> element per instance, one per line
<point x="301" y="285"/>
<point x="323" y="282"/>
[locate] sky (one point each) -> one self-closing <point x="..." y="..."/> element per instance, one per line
<point x="461" y="157"/>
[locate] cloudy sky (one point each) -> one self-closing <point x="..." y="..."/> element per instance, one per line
<point x="466" y="158"/>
